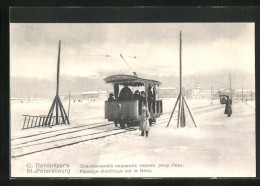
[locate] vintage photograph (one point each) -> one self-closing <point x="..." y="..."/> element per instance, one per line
<point x="132" y="100"/>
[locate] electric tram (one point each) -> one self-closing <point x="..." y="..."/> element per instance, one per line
<point x="223" y="99"/>
<point x="126" y="106"/>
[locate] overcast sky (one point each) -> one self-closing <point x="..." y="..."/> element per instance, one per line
<point x="93" y="50"/>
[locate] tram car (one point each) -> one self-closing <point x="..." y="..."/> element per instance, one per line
<point x="223" y="99"/>
<point x="124" y="107"/>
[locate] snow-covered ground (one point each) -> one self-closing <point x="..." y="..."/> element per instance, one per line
<point x="220" y="147"/>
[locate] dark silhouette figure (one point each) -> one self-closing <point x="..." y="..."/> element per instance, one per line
<point x="126" y="94"/>
<point x="143" y="97"/>
<point x="138" y="97"/>
<point x="228" y="108"/>
<point x="111" y="97"/>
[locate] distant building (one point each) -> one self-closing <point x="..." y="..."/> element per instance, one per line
<point x="103" y="95"/>
<point x="187" y="91"/>
<point x="196" y="92"/>
<point x="205" y="94"/>
<point x="91" y="95"/>
<point x="168" y="92"/>
<point x="211" y="94"/>
<point x="243" y="94"/>
<point x="226" y="91"/>
<point x="75" y="96"/>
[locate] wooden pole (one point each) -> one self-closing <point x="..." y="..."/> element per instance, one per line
<point x="181" y="100"/>
<point x="179" y="111"/>
<point x="230" y="86"/>
<point x="180" y="103"/>
<point x="58" y="71"/>
<point x="57" y="100"/>
<point x="173" y="109"/>
<point x="180" y="68"/>
<point x="183" y="122"/>
<point x="58" y="82"/>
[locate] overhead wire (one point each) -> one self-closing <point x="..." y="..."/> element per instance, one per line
<point x="70" y="38"/>
<point x="79" y="41"/>
<point x="97" y="53"/>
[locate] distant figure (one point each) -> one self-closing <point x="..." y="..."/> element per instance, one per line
<point x="111" y="97"/>
<point x="126" y="94"/>
<point x="228" y="109"/>
<point x="144" y="124"/>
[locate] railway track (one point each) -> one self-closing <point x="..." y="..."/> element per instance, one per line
<point x="31" y="144"/>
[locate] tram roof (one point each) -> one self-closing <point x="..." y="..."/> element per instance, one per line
<point x="130" y="80"/>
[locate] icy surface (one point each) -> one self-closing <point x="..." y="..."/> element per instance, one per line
<point x="220" y="147"/>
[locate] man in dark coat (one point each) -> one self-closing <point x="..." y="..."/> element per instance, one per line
<point x="126" y="94"/>
<point x="111" y="97"/>
<point x="143" y="97"/>
<point x="228" y="109"/>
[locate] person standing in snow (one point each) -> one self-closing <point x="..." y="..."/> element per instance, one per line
<point x="144" y="123"/>
<point x="228" y="108"/>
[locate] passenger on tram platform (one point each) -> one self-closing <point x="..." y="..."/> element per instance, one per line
<point x="150" y="98"/>
<point x="111" y="97"/>
<point x="136" y="94"/>
<point x="143" y="97"/>
<point x="138" y="97"/>
<point x="126" y="94"/>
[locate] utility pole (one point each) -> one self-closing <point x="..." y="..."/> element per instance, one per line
<point x="181" y="122"/>
<point x="231" y="94"/>
<point x="57" y="100"/>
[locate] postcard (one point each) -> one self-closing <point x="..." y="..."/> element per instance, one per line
<point x="132" y="100"/>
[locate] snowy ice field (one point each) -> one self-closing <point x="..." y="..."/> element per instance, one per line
<point x="220" y="147"/>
